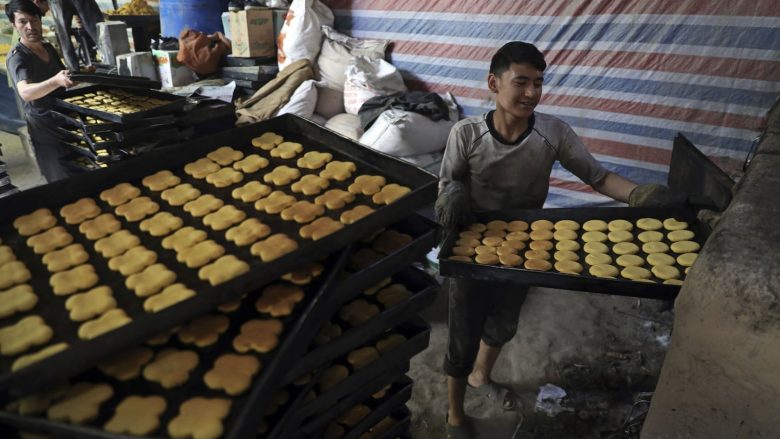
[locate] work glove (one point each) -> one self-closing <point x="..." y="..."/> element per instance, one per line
<point x="453" y="210"/>
<point x="656" y="195"/>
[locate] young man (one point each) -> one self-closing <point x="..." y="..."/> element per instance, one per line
<point x="36" y="72"/>
<point x="502" y="160"/>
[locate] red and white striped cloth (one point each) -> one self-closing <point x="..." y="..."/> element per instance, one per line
<point x="627" y="76"/>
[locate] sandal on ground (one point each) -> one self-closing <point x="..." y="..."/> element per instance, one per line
<point x="457" y="431"/>
<point x="496" y="393"/>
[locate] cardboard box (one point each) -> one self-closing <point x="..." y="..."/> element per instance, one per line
<point x="172" y="72"/>
<point x="253" y="33"/>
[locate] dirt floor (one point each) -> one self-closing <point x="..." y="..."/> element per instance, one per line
<point x="604" y="351"/>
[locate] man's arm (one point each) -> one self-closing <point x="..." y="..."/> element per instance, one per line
<point x="615" y="186"/>
<point x="32" y="91"/>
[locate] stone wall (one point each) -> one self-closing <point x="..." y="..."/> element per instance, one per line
<point x="721" y="375"/>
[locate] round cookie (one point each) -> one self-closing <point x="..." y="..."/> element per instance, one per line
<point x="537" y="265"/>
<point x="687" y="259"/>
<point x="620" y="224"/>
<point x="595" y="225"/>
<point x="492" y="241"/>
<point x="564" y="235"/>
<point x="463" y="251"/>
<point x="655" y="247"/>
<point x="505" y="250"/>
<point x="467" y="242"/>
<point x="517" y="226"/>
<point x="478" y="227"/>
<point x="497" y="225"/>
<point x="470" y="234"/>
<point x="596" y="247"/>
<point x="515" y="244"/>
<point x="542" y="225"/>
<point x="660" y="259"/>
<point x="565" y="255"/>
<point x="680" y="235"/>
<point x="518" y="236"/>
<point x="537" y="254"/>
<point x="650" y="236"/>
<point x="649" y="224"/>
<point x="541" y="235"/>
<point x="510" y="260"/>
<point x="673" y="282"/>
<point x="594" y="236"/>
<point x="598" y="259"/>
<point x="666" y="272"/>
<point x="485" y="249"/>
<point x="541" y="245"/>
<point x="618" y="236"/>
<point x="672" y="224"/>
<point x="630" y="261"/>
<point x="494" y="233"/>
<point x="460" y="258"/>
<point x="603" y="270"/>
<point x="567" y="225"/>
<point x="625" y="248"/>
<point x="685" y="247"/>
<point x="570" y="267"/>
<point x="487" y="259"/>
<point x="636" y="273"/>
<point x="571" y="246"/>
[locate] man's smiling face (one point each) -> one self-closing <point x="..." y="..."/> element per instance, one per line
<point x="518" y="89"/>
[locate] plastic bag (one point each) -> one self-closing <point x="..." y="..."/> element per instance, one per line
<point x="300" y="36"/>
<point x="367" y="78"/>
<point x="201" y="52"/>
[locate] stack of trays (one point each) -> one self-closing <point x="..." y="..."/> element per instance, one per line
<point x="156" y="297"/>
<point x="104" y="124"/>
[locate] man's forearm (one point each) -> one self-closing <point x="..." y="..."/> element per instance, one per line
<point x="30" y="92"/>
<point x="615" y="187"/>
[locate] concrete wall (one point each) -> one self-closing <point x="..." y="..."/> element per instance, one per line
<point x="721" y="375"/>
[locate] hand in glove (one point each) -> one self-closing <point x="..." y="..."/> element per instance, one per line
<point x="453" y="209"/>
<point x="656" y="195"/>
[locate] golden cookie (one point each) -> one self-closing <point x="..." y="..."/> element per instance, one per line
<point x="224" y="177"/>
<point x="95" y="302"/>
<point x="567" y="225"/>
<point x="274" y="247"/>
<point x="620" y="224"/>
<point x="258" y="335"/>
<point x="541" y="245"/>
<point x="685" y="247"/>
<point x="651" y="236"/>
<point x="680" y="235"/>
<point x="160" y="180"/>
<point x="334" y="199"/>
<point x="392" y="295"/>
<point x="69" y="281"/>
<point x="390" y="342"/>
<point x="50" y="240"/>
<point x="565" y="255"/>
<point x="485" y="249"/>
<point x="107" y="322"/>
<point x="353" y="215"/>
<point x="630" y="261"/>
<point x="618" y="236"/>
<point x="358" y="359"/>
<point x="151" y="280"/>
<point x="635" y="273"/>
<point x="81" y="404"/>
<point x="567" y="245"/>
<point x="200" y="418"/>
<point x="20" y="298"/>
<point x="35" y="222"/>
<point x="203" y="205"/>
<point x="665" y="272"/>
<point x="337" y="170"/>
<point x="390" y="193"/>
<point x="287" y="150"/>
<point x="359" y="311"/>
<point x="332" y="376"/>
<point x="26" y="360"/>
<point x="116" y="244"/>
<point x="275" y="202"/>
<point x="594" y="236"/>
<point x="541" y="235"/>
<point x="604" y="270"/>
<point x="171" y="367"/>
<point x="250" y="192"/>
<point x="655" y="247"/>
<point x="320" y="228"/>
<point x="469" y="234"/>
<point x="305" y="274"/>
<point x="564" y="235"/>
<point x="570" y="267"/>
<point x="120" y="194"/>
<point x="81" y="210"/>
<point x="463" y="251"/>
<point x="223" y="269"/>
<point x="506" y="249"/>
<point x="494" y="234"/>
<point x="537" y="265"/>
<point x="169" y="296"/>
<point x="672" y="224"/>
<point x="282" y="175"/>
<point x="660" y="259"/>
<point x="232" y="373"/>
<point x="598" y="259"/>
<point x="390" y="241"/>
<point x="625" y="248"/>
<point x="673" y="282"/>
<point x="542" y="224"/>
<point x="314" y="160"/>
<point x="225" y="155"/>
<point x="200" y="254"/>
<point x="267" y="141"/>
<point x="137" y="415"/>
<point x="6" y="254"/>
<point x="537" y="254"/>
<point x="487" y="259"/>
<point x="184" y="238"/>
<point x="24" y="334"/>
<point x="517" y="226"/>
<point x="65" y="258"/>
<point x="468" y="242"/>
<point x="251" y="163"/>
<point x="685" y="259"/>
<point x="497" y="225"/>
<point x="249" y="231"/>
<point x="137" y="209"/>
<point x="161" y="224"/>
<point x="133" y="261"/>
<point x="302" y="212"/>
<point x="510" y="260"/>
<point x="278" y="300"/>
<point x="649" y="224"/>
<point x="492" y="241"/>
<point x="310" y="185"/>
<point x="595" y="225"/>
<point x="517" y="236"/>
<point x="204" y="330"/>
<point x="478" y="227"/>
<point x="201" y="168"/>
<point x="180" y="195"/>
<point x="225" y="217"/>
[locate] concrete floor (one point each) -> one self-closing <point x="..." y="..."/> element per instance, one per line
<point x="20" y="163"/>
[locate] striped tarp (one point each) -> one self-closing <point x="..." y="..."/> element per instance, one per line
<point x="626" y="75"/>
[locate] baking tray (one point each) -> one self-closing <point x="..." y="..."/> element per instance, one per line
<point x="74" y="119"/>
<point x="381" y="408"/>
<point x="693" y="173"/>
<point x="116" y="80"/>
<point x="90" y="153"/>
<point x="297" y="326"/>
<point x="176" y="103"/>
<point x="583" y="282"/>
<point x="423" y="288"/>
<point x="401" y="429"/>
<point x="144" y="325"/>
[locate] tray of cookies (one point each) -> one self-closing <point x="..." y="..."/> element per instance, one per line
<point x="116" y="104"/>
<point x="227" y="361"/>
<point x="172" y="237"/>
<point x="631" y="251"/>
<point x="92" y="124"/>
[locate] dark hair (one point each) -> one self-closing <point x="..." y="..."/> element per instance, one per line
<point x="516" y="52"/>
<point x="26" y="6"/>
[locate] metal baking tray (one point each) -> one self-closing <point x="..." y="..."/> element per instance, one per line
<point x="401" y="428"/>
<point x="176" y="103"/>
<point x="116" y="80"/>
<point x="72" y="361"/>
<point x="381" y="408"/>
<point x="584" y="281"/>
<point x="90" y="153"/>
<point x="423" y="288"/>
<point x="297" y="326"/>
<point x="74" y="119"/>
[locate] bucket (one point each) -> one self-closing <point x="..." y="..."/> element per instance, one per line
<point x="200" y="15"/>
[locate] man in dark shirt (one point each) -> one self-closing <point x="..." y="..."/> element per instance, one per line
<point x="36" y="71"/>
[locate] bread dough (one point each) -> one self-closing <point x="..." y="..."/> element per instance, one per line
<point x="603" y="270"/>
<point x="630" y="261"/>
<point x="672" y="224"/>
<point x="625" y="248"/>
<point x="598" y="259"/>
<point x="620" y="224"/>
<point x="666" y="272"/>
<point x="687" y="259"/>
<point x="596" y="247"/>
<point x="620" y="236"/>
<point x="635" y="273"/>
<point x="595" y="225"/>
<point x="651" y="236"/>
<point x="649" y="224"/>
<point x="680" y="235"/>
<point x="594" y="236"/>
<point x="685" y="247"/>
<point x="570" y="267"/>
<point x="659" y="259"/>
<point x="655" y="247"/>
<point x="571" y="246"/>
